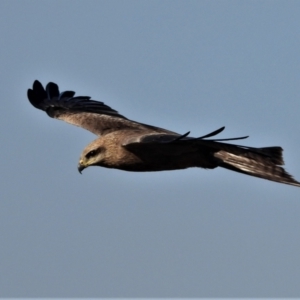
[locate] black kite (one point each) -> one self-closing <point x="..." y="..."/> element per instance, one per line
<point x="131" y="146"/>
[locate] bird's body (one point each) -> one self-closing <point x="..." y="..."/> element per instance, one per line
<point x="132" y="146"/>
<point x="148" y="158"/>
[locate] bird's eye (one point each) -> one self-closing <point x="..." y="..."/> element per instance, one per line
<point x="91" y="153"/>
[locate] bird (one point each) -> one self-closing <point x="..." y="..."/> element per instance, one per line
<point x="128" y="145"/>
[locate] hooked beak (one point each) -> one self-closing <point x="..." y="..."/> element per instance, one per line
<point x="80" y="167"/>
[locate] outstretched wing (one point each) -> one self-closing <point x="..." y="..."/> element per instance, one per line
<point x="81" y="111"/>
<point x="157" y="139"/>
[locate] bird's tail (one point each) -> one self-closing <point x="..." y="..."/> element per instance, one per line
<point x="259" y="162"/>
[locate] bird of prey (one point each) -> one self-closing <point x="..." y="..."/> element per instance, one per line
<point x="132" y="146"/>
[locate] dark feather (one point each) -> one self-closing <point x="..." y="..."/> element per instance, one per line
<point x="52" y="90"/>
<point x="212" y="133"/>
<point x="65" y="102"/>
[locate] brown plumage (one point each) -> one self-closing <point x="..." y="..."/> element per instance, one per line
<point x="131" y="146"/>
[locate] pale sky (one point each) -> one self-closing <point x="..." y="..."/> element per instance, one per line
<point x="181" y="65"/>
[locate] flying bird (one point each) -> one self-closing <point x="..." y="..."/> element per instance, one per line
<point x="132" y="146"/>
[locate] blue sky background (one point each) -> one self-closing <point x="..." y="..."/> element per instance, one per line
<point x="181" y="65"/>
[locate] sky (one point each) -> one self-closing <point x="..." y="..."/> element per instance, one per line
<point x="181" y="65"/>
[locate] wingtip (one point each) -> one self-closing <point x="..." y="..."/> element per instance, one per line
<point x="30" y="94"/>
<point x="52" y="90"/>
<point x="37" y="85"/>
<point x="36" y="82"/>
<point x="37" y="94"/>
<point x="32" y="98"/>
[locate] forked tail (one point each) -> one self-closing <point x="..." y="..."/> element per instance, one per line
<point x="259" y="162"/>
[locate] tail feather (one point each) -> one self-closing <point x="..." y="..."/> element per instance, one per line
<point x="273" y="153"/>
<point x="259" y="162"/>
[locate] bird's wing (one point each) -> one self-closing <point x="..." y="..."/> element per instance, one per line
<point x="81" y="111"/>
<point x="159" y="141"/>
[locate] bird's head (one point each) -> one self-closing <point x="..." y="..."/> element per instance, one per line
<point x="92" y="155"/>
